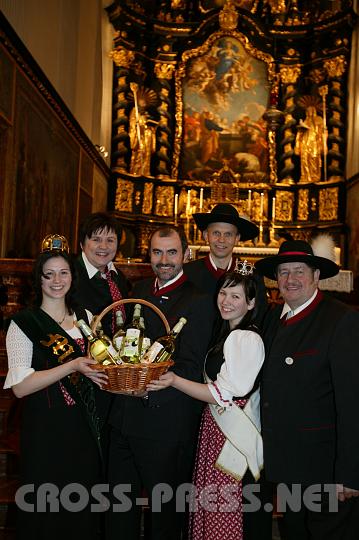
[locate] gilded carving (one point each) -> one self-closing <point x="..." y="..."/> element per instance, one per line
<point x="164" y="201"/>
<point x="289" y="74"/>
<point x="328" y="204"/>
<point x="124" y="196"/>
<point x="164" y="71"/>
<point x="284" y="206"/>
<point x="317" y="75"/>
<point x="122" y="57"/>
<point x="336" y="66"/>
<point x="147" y="198"/>
<point x="303" y="201"/>
<point x="228" y="17"/>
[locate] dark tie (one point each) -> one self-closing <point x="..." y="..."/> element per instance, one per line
<point x="115" y="295"/>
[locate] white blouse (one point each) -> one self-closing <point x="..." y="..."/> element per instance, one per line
<point x="243" y="358"/>
<point x="19" y="352"/>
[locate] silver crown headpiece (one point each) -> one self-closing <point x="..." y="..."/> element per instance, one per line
<point x="244" y="267"/>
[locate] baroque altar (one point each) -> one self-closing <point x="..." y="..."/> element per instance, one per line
<point x="230" y="101"/>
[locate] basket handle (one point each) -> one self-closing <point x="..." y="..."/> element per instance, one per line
<point x="132" y="301"/>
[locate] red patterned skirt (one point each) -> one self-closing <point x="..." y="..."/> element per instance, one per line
<point x="216" y="508"/>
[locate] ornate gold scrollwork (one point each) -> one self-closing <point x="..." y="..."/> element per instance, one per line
<point x="335" y="67"/>
<point x="124" y="196"/>
<point x="289" y="74"/>
<point x="303" y="202"/>
<point x="284" y="205"/>
<point x="164" y="201"/>
<point x="164" y="71"/>
<point x="317" y="75"/>
<point x="228" y="17"/>
<point x="328" y="204"/>
<point x="147" y="198"/>
<point x="122" y="57"/>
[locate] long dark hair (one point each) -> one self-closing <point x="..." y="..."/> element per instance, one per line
<point x="38" y="274"/>
<point x="249" y="283"/>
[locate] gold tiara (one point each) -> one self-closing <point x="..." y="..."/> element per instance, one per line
<point x="55" y="242"/>
<point x="245" y="268"/>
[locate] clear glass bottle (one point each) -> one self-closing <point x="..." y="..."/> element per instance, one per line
<point x="120" y="332"/>
<point x="132" y="341"/>
<point x="146" y="342"/>
<point x="163" y="348"/>
<point x="101" y="348"/>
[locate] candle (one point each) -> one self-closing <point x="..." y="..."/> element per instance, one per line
<point x="262" y="205"/>
<point x="201" y="199"/>
<point x="273" y="209"/>
<point x="188" y="209"/>
<point x="176" y="204"/>
<point x="249" y="202"/>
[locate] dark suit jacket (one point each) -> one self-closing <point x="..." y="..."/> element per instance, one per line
<point x="206" y="281"/>
<point x="310" y="395"/>
<point x="169" y="413"/>
<point x="94" y="295"/>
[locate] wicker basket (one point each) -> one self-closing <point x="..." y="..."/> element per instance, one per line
<point x="132" y="378"/>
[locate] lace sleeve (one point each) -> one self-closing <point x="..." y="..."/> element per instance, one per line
<point x="19" y="352"/>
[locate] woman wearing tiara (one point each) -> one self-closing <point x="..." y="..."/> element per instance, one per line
<point x="230" y="444"/>
<point x="59" y="450"/>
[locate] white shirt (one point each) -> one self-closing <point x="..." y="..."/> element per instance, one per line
<point x="243" y="358"/>
<point x="215" y="266"/>
<point x="288" y="312"/>
<point x="19" y="352"/>
<point x="92" y="270"/>
<point x="170" y="281"/>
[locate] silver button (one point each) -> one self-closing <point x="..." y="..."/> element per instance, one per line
<point x="289" y="361"/>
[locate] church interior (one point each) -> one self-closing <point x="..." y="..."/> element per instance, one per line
<point x="154" y="110"/>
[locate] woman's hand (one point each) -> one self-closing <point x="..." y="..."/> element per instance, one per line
<point x="164" y="381"/>
<point x="83" y="365"/>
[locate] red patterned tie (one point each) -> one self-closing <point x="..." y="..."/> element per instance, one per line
<point x="116" y="295"/>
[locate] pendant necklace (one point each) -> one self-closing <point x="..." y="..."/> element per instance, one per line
<point x="62" y="320"/>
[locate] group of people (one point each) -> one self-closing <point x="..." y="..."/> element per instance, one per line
<point x="280" y="388"/>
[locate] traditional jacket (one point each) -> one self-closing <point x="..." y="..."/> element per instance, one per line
<point x="203" y="274"/>
<point x="310" y="395"/>
<point x="169" y="412"/>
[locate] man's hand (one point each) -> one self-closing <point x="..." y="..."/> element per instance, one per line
<point x="344" y="493"/>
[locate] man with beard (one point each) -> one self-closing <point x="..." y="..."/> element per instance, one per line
<point x="153" y="436"/>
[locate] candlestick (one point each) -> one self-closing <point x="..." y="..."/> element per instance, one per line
<point x="262" y="205"/>
<point x="188" y="208"/>
<point x="176" y="204"/>
<point x="273" y="209"/>
<point x="201" y="199"/>
<point x="249" y="202"/>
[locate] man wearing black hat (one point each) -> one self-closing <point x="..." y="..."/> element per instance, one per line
<point x="310" y="399"/>
<point x="222" y="229"/>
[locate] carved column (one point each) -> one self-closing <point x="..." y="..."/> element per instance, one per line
<point x="123" y="59"/>
<point x="289" y="76"/>
<point x="336" y="68"/>
<point x="164" y="73"/>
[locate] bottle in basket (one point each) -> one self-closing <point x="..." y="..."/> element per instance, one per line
<point x="120" y="332"/>
<point x="101" y="348"/>
<point x="146" y="342"/>
<point x="163" y="348"/>
<point x="132" y="341"/>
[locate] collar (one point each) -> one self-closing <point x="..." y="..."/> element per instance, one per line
<point x="303" y="310"/>
<point x="170" y="285"/>
<point x="288" y="312"/>
<point x="212" y="267"/>
<point x="92" y="270"/>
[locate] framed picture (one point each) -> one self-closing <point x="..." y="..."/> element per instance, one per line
<point x="223" y="89"/>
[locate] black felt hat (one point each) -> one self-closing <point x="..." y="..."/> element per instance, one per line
<point x="296" y="251"/>
<point x="226" y="213"/>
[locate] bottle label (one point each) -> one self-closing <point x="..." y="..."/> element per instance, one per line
<point x="146" y="344"/>
<point x="152" y="352"/>
<point x="131" y="342"/>
<point x="118" y="342"/>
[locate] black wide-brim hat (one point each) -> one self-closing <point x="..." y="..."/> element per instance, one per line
<point x="226" y="213"/>
<point x="296" y="251"/>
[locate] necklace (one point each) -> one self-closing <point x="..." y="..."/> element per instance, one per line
<point x="63" y="318"/>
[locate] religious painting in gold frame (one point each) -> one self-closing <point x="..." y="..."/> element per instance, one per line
<point x="222" y="92"/>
